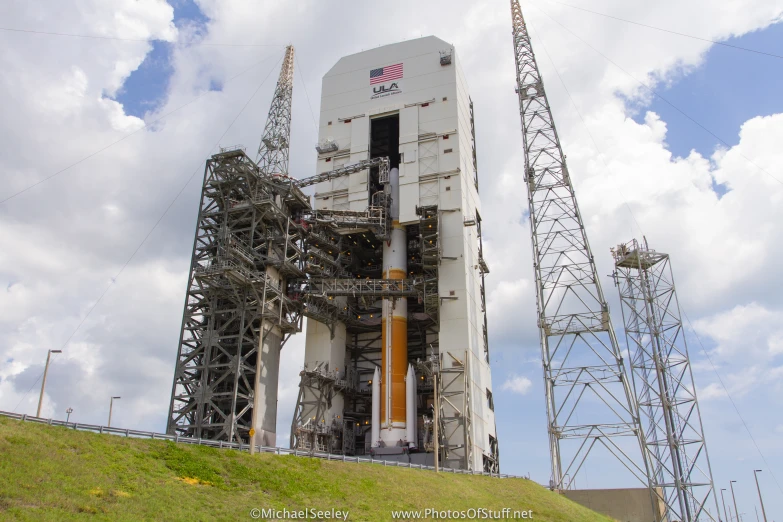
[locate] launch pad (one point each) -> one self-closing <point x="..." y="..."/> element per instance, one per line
<point x="386" y="263"/>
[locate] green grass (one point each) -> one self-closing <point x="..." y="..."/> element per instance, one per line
<point x="52" y="473"/>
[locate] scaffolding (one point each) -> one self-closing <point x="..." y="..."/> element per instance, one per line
<point x="244" y="248"/>
<point x="455" y="415"/>
<point x="238" y="314"/>
<point x="663" y="382"/>
<point x="353" y="302"/>
<point x="430" y="250"/>
<point x="309" y="428"/>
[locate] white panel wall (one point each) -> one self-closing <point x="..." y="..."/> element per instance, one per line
<point x="409" y="171"/>
<point x="360" y="138"/>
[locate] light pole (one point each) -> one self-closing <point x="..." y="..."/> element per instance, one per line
<point x="111" y="405"/>
<point x="736" y="511"/>
<point x="725" y="513"/>
<point x="68" y="412"/>
<point x="43" y="384"/>
<point x="763" y="512"/>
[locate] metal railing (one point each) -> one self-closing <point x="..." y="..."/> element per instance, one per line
<point x="137" y="434"/>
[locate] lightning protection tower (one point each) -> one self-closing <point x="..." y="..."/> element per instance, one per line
<point x="663" y="382"/>
<point x="588" y="396"/>
<point x="273" y="149"/>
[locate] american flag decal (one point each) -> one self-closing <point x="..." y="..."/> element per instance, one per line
<point x="386" y="74"/>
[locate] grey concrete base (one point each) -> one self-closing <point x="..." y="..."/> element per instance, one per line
<point x="424" y="459"/>
<point x="389" y="450"/>
<point x="265" y="399"/>
<point x="624" y="505"/>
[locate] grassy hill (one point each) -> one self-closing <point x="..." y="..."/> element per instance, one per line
<point x="52" y="473"/>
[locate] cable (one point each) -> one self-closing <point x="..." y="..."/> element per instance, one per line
<point x="304" y="85"/>
<point x="659" y="96"/>
<point x="670" y="31"/>
<point x="155" y="226"/>
<point x="144" y="126"/>
<point x="732" y="400"/>
<point x="595" y="144"/>
<point x="98" y="37"/>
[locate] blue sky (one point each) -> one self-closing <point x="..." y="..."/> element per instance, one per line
<point x="145" y="89"/>
<point x="729" y="88"/>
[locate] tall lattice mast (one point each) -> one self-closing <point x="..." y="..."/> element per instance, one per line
<point x="663" y="381"/>
<point x="273" y="150"/>
<point x="588" y="396"/>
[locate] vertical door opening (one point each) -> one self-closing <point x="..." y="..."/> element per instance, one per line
<point x="384" y="142"/>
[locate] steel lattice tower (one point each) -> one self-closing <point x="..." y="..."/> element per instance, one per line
<point x="663" y="381"/>
<point x="588" y="395"/>
<point x="273" y="149"/>
<point x="237" y="315"/>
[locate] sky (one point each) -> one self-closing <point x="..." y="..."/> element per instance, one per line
<point x="111" y="134"/>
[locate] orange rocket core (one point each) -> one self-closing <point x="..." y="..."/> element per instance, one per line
<point x="399" y="356"/>
<point x="399" y="368"/>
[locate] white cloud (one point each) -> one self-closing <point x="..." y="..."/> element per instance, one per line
<point x="712" y="391"/>
<point x="745" y="330"/>
<point x="517" y="384"/>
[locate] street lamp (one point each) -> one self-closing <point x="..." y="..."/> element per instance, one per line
<point x="43" y="384"/>
<point x="68" y="411"/>
<point x="763" y="513"/>
<point x="111" y="405"/>
<point x="736" y="511"/>
<point x="725" y="513"/>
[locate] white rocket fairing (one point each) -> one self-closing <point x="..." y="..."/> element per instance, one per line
<point x="376" y="407"/>
<point x="410" y="405"/>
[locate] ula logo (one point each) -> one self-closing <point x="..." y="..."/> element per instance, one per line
<point x="383" y="89"/>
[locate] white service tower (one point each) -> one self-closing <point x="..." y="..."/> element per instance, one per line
<point x="368" y="379"/>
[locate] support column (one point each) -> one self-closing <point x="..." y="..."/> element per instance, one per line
<point x="265" y="393"/>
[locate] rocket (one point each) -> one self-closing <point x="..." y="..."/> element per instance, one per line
<point x="394" y="399"/>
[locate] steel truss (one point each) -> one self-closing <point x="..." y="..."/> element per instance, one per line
<point x="237" y="313"/>
<point x="251" y="222"/>
<point x="233" y="301"/>
<point x="429" y="225"/>
<point x="369" y="287"/>
<point x="663" y="382"/>
<point x="381" y="163"/>
<point x="332" y="300"/>
<point x="456" y="412"/>
<point x="309" y="430"/>
<point x="588" y="395"/>
<point x="273" y="150"/>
